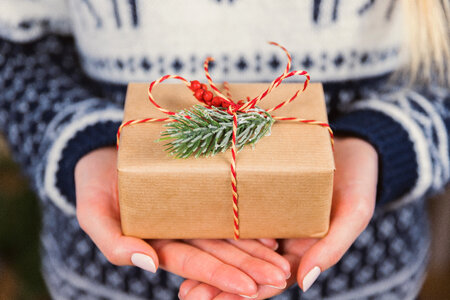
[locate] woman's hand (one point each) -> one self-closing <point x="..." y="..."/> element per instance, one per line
<point x="354" y="194"/>
<point x="352" y="208"/>
<point x="236" y="267"/>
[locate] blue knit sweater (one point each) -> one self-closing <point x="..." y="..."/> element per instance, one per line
<point x="63" y="70"/>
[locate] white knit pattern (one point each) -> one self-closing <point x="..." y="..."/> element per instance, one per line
<point x="25" y="20"/>
<point x="236" y="29"/>
<point x="175" y="29"/>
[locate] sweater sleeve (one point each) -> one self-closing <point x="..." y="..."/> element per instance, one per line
<point x="410" y="130"/>
<point x="51" y="114"/>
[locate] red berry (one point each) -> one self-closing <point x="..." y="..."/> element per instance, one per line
<point x="195" y="85"/>
<point x="207" y="96"/>
<point x="217" y="101"/>
<point x="199" y="94"/>
<point x="204" y="87"/>
<point x="225" y="104"/>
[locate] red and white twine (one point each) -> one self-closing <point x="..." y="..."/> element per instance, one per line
<point x="233" y="108"/>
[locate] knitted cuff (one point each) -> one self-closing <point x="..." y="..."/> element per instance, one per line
<point x="397" y="159"/>
<point x="92" y="137"/>
<point x="77" y="130"/>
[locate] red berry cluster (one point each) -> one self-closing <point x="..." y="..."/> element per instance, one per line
<point x="202" y="94"/>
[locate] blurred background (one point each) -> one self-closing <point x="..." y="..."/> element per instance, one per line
<point x="20" y="276"/>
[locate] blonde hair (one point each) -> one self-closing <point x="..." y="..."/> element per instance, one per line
<point x="428" y="40"/>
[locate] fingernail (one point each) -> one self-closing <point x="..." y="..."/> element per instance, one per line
<point x="288" y="275"/>
<point x="277" y="287"/>
<point x="249" y="297"/>
<point x="143" y="261"/>
<point x="310" y="278"/>
<point x="275" y="248"/>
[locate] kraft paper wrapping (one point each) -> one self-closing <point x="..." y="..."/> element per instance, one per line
<point x="284" y="183"/>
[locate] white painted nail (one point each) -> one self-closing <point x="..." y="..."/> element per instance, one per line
<point x="277" y="287"/>
<point x="143" y="261"/>
<point x="249" y="297"/>
<point x="310" y="278"/>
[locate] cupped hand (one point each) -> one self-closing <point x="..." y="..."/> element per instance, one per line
<point x="353" y="204"/>
<point x="354" y="195"/>
<point x="237" y="267"/>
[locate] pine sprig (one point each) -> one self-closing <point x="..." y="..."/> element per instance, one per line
<point x="209" y="131"/>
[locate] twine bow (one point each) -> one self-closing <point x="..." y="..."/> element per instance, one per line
<point x="233" y="109"/>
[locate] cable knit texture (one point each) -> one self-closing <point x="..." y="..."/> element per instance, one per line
<point x="397" y="165"/>
<point x="62" y="97"/>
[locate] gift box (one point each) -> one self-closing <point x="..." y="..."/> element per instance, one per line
<point x="284" y="182"/>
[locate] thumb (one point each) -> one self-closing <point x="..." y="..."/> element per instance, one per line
<point x="103" y="227"/>
<point x="353" y="205"/>
<point x="349" y="219"/>
<point x="98" y="211"/>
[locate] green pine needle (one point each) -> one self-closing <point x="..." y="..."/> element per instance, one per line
<point x="209" y="131"/>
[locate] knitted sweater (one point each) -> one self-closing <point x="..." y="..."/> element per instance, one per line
<point x="63" y="71"/>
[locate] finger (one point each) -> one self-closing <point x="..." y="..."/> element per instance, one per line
<point x="264" y="292"/>
<point x="186" y="286"/>
<point x="193" y="263"/>
<point x="349" y="218"/>
<point x="263" y="272"/>
<point x="105" y="231"/>
<point x="228" y="296"/>
<point x="271" y="243"/>
<point x="254" y="248"/>
<point x="202" y="291"/>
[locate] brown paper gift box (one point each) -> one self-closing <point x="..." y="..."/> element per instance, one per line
<point x="284" y="183"/>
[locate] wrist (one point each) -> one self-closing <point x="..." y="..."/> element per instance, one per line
<point x="352" y="143"/>
<point x="91" y="158"/>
